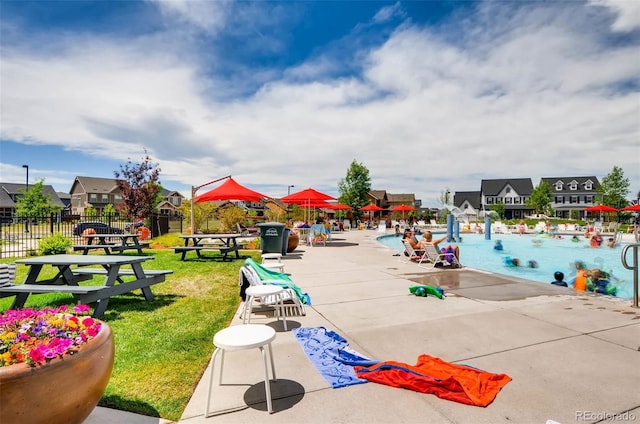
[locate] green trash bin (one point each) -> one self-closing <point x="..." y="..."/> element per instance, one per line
<point x="271" y="237"/>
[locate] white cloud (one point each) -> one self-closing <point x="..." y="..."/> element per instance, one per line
<point x="533" y="94"/>
<point x="627" y="13"/>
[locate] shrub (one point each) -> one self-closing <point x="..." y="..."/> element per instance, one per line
<point x="57" y="243"/>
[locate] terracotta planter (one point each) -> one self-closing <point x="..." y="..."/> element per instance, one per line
<point x="63" y="391"/>
<point x="292" y="242"/>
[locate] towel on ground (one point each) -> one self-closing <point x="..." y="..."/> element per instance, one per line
<point x="331" y="355"/>
<point x="432" y="375"/>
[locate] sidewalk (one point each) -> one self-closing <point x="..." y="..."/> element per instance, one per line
<point x="572" y="357"/>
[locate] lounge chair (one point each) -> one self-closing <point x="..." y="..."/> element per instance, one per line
<point x="255" y="274"/>
<point x="413" y="254"/>
<point x="433" y="257"/>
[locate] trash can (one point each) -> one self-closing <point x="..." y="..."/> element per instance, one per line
<point x="285" y="241"/>
<point x="271" y="237"/>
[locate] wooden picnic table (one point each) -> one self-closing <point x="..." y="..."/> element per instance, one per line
<point x="127" y="241"/>
<point x="67" y="278"/>
<point x="226" y="243"/>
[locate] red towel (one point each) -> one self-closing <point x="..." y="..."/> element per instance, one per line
<point x="449" y="381"/>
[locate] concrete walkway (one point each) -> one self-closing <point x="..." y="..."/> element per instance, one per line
<point x="573" y="357"/>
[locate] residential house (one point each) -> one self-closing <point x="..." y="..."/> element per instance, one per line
<point x="514" y="193"/>
<point x="379" y="198"/>
<point x="572" y="193"/>
<point x="99" y="192"/>
<point x="11" y="192"/>
<point x="469" y="202"/>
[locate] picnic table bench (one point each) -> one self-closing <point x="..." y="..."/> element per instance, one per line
<point x="66" y="280"/>
<point x="106" y="243"/>
<point x="224" y="243"/>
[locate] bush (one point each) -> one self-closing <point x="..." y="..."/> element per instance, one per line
<point x="56" y="243"/>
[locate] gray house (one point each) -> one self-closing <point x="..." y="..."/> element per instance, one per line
<point x="572" y="193"/>
<point x="513" y="192"/>
<point x="11" y="192"/>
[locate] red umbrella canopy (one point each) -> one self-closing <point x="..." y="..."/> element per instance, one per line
<point x="601" y="208"/>
<point x="307" y="195"/>
<point x="339" y="206"/>
<point x="231" y="190"/>
<point x="632" y="208"/>
<point x="402" y="208"/>
<point x="371" y="207"/>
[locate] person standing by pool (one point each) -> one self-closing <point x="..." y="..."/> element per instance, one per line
<point x="521" y="227"/>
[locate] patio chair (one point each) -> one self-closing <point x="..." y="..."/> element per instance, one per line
<point x="318" y="234"/>
<point x="255" y="274"/>
<point x="433" y="257"/>
<point x="413" y="254"/>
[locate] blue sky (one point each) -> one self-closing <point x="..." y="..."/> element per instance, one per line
<point x="428" y="95"/>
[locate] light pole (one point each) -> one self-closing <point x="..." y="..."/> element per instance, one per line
<point x="26" y="225"/>
<point x="289" y="189"/>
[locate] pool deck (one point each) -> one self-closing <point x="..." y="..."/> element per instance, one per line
<point x="573" y="357"/>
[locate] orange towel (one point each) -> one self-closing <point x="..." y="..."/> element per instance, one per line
<point x="449" y="381"/>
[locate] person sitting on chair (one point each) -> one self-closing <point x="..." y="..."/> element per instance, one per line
<point x="427" y="237"/>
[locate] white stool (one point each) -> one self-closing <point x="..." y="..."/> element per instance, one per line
<point x="241" y="337"/>
<point x="261" y="292"/>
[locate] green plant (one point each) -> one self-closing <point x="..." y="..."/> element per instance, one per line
<point x="34" y="337"/>
<point x="56" y="243"/>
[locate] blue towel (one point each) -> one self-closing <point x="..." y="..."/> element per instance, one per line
<point x="331" y="355"/>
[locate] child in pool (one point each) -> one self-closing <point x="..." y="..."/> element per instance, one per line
<point x="498" y="245"/>
<point x="559" y="279"/>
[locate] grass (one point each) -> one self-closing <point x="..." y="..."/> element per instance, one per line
<point x="163" y="346"/>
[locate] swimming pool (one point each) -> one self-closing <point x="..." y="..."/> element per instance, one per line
<point x="549" y="254"/>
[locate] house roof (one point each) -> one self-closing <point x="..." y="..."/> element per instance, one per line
<point x="9" y="191"/>
<point x="406" y="198"/>
<point x="522" y="186"/>
<point x="566" y="181"/>
<point x="378" y="194"/>
<point x="95" y="185"/>
<point x="473" y="197"/>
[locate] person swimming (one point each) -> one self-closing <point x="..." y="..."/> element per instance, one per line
<point x="498" y="245"/>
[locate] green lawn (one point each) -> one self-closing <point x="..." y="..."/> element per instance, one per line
<point x="163" y="346"/>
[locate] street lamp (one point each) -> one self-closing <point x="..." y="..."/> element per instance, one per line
<point x="289" y="189"/>
<point x="26" y="225"/>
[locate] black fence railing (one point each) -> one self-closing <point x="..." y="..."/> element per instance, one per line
<point x="20" y="234"/>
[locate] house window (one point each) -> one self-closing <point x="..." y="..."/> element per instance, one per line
<point x="574" y="199"/>
<point x="93" y="197"/>
<point x="508" y="190"/>
<point x="117" y="198"/>
<point x="517" y="200"/>
<point x="489" y="200"/>
<point x="573" y="186"/>
<point x="175" y="201"/>
<point x="588" y="185"/>
<point x="105" y="198"/>
<point x="507" y="200"/>
<point x="588" y="199"/>
<point x="558" y="186"/>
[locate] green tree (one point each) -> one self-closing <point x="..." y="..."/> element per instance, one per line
<point x="614" y="188"/>
<point x="139" y="185"/>
<point x="109" y="210"/>
<point x="499" y="209"/>
<point x="541" y="198"/>
<point x="34" y="202"/>
<point x="355" y="187"/>
<point x="201" y="211"/>
<point x="230" y="216"/>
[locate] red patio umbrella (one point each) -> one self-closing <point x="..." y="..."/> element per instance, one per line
<point x="403" y="209"/>
<point x="231" y="190"/>
<point x="339" y="206"/>
<point x="371" y="208"/>
<point x="600" y="208"/>
<point x="307" y="198"/>
<point x="632" y="208"/>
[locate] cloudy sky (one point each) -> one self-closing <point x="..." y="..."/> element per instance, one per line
<point x="428" y="95"/>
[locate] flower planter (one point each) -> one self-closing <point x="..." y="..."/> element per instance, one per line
<point x="292" y="243"/>
<point x="64" y="390"/>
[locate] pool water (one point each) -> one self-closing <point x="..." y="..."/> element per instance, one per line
<point x="548" y="254"/>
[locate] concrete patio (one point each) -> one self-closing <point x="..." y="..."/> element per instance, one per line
<point x="573" y="357"/>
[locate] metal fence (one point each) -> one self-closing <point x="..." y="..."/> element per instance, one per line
<point x="20" y="234"/>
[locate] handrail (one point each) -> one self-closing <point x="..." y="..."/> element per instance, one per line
<point x="634" y="268"/>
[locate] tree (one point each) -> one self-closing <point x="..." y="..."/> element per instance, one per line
<point x="139" y="185"/>
<point x="201" y="211"/>
<point x="355" y="187"/>
<point x="614" y="188"/>
<point x="541" y="198"/>
<point x="498" y="208"/>
<point x="34" y="202"/>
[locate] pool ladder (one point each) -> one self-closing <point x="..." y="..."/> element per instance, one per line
<point x="633" y="267"/>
